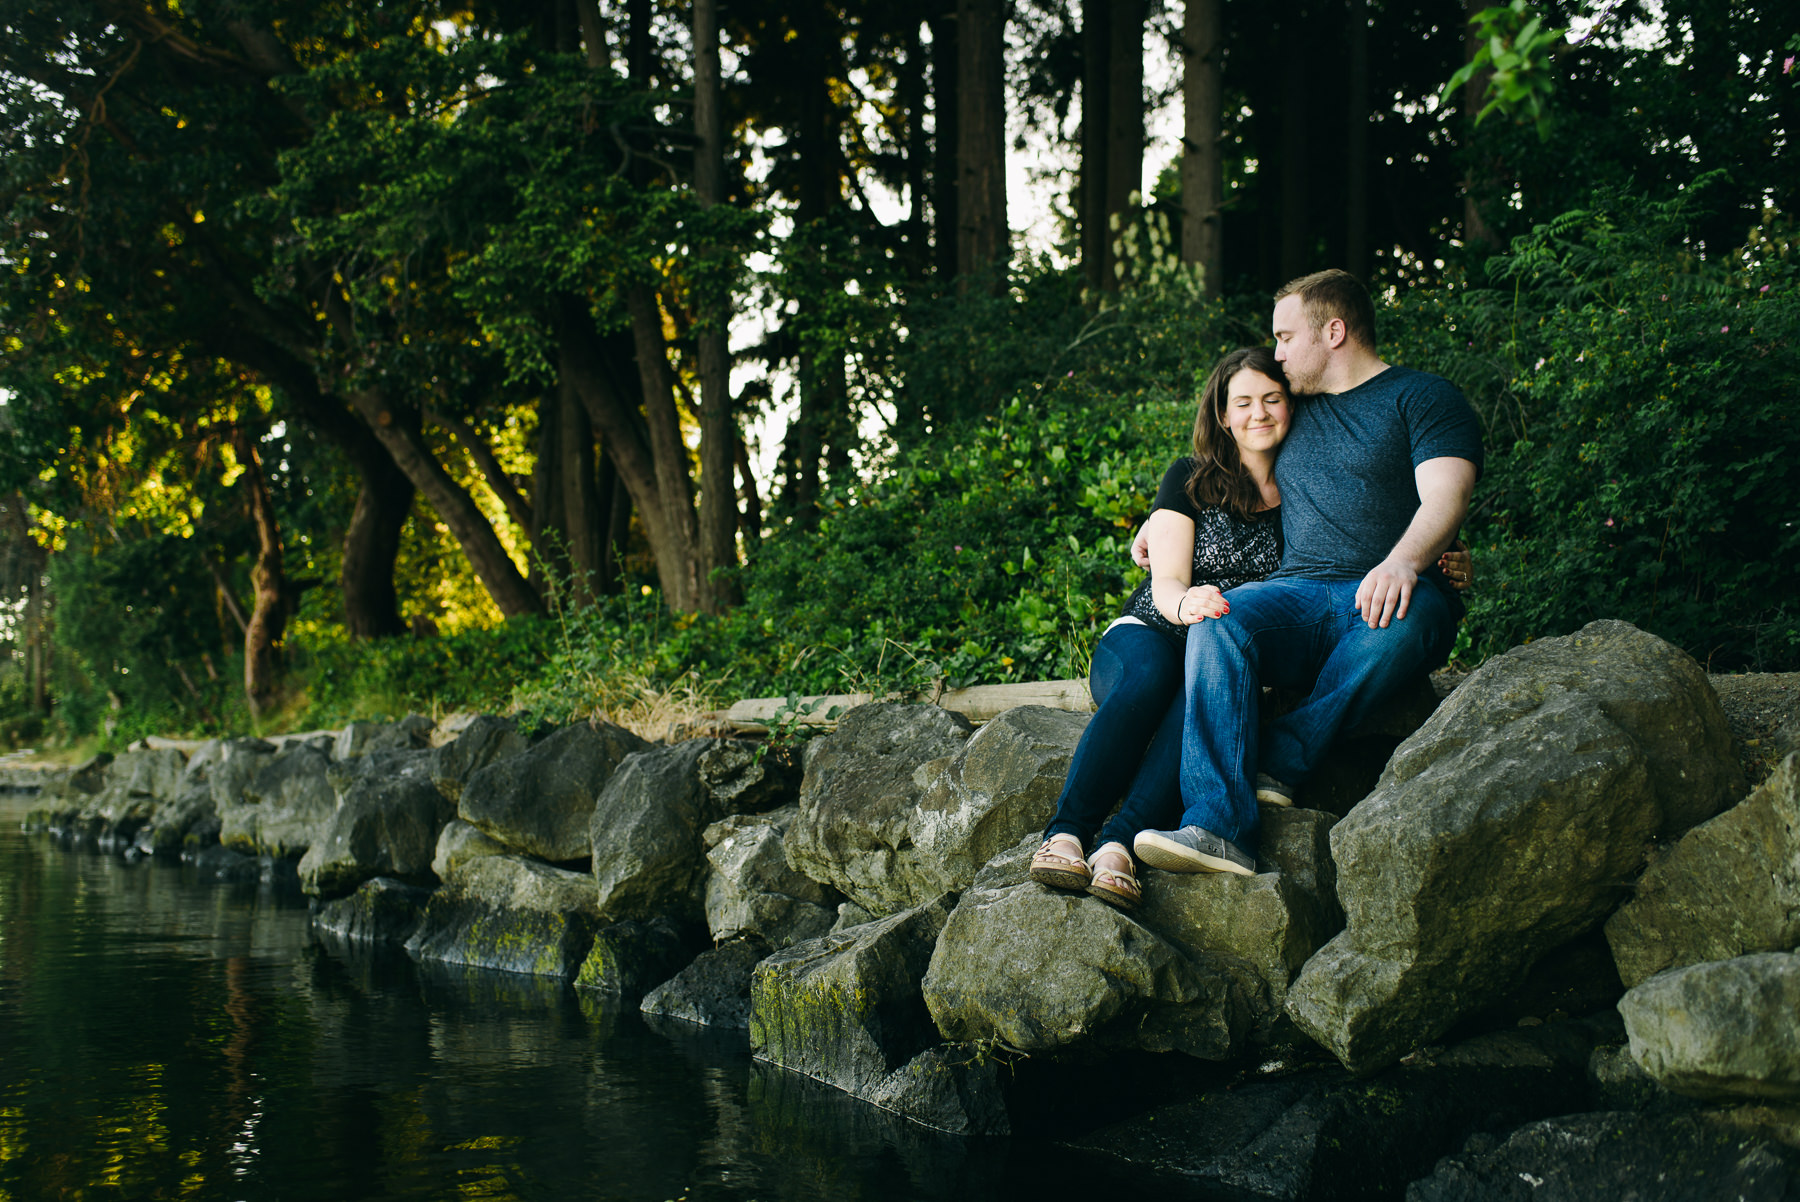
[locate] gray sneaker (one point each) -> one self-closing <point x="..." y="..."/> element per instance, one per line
<point x="1192" y="849"/>
<point x="1270" y="791"/>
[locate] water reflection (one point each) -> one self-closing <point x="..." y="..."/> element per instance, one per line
<point x="164" y="1037"/>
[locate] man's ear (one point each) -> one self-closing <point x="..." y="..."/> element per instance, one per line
<point x="1336" y="333"/>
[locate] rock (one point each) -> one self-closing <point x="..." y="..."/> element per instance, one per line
<point x="953" y="1088"/>
<point x="646" y="828"/>
<point x="1504" y="828"/>
<point x="510" y="913"/>
<point x="1614" y="1154"/>
<point x="382" y="910"/>
<point x="451" y="727"/>
<point x="384" y="826"/>
<point x="458" y="843"/>
<point x="168" y="827"/>
<point x="1038" y="968"/>
<point x="752" y="891"/>
<point x="1720" y="1030"/>
<point x="742" y="781"/>
<point x="136" y="783"/>
<point x="1000" y="786"/>
<point x="714" y="990"/>
<point x="359" y="738"/>
<point x="238" y="763"/>
<point x="483" y="740"/>
<point x="629" y="958"/>
<point x="1729" y="886"/>
<point x="846" y="1009"/>
<point x="849" y="914"/>
<point x="1267" y="921"/>
<point x="542" y="801"/>
<point x="861" y="789"/>
<point x="72" y="788"/>
<point x="1296" y="842"/>
<point x="222" y="864"/>
<point x="1323" y="1133"/>
<point x="284" y="807"/>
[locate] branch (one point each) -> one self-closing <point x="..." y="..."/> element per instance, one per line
<point x="517" y="507"/>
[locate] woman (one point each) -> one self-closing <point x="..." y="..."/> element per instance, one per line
<point x="1215" y="525"/>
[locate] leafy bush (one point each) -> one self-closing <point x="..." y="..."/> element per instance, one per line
<point x="1639" y="409"/>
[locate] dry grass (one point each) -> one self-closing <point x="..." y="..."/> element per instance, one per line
<point x="687" y="709"/>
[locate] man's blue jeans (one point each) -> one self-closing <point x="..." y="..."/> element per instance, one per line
<point x="1134" y="736"/>
<point x="1297" y="634"/>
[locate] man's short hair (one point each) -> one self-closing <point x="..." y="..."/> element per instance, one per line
<point x="1334" y="293"/>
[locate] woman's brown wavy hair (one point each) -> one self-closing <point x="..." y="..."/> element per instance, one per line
<point x="1219" y="480"/>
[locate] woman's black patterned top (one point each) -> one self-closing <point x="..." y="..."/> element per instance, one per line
<point x="1228" y="551"/>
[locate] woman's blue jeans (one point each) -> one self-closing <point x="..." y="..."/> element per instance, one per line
<point x="1132" y="745"/>
<point x="1297" y="634"/>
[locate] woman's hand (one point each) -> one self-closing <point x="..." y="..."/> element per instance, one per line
<point x="1201" y="602"/>
<point x="1458" y="566"/>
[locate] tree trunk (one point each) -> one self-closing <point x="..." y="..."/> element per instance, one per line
<point x="598" y="373"/>
<point x="982" y="242"/>
<point x="1294" y="125"/>
<point x="1356" y="144"/>
<point x="549" y="529"/>
<point x="1480" y="176"/>
<point x="945" y="107"/>
<point x="637" y="42"/>
<point x="517" y="507"/>
<point x="372" y="544"/>
<point x="581" y="506"/>
<point x="1124" y="115"/>
<point x="268" y="614"/>
<point x="1096" y="238"/>
<point x="718" y="425"/>
<point x="399" y="434"/>
<point x="1202" y="172"/>
<point x="593" y="34"/>
<point x="615" y="525"/>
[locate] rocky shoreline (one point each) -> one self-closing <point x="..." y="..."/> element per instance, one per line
<point x="1539" y="938"/>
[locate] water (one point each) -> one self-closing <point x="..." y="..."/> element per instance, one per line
<point x="163" y="1038"/>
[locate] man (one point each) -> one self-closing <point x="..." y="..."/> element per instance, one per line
<point x="1375" y="479"/>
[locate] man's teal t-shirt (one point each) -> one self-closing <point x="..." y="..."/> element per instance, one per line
<point x="1346" y="470"/>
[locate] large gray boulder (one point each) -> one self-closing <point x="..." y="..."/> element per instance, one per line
<point x="1037" y="969"/>
<point x="714" y="990"/>
<point x="630" y="958"/>
<point x="859" y="798"/>
<point x="458" y="842"/>
<point x="645" y="828"/>
<point x="846" y="1009"/>
<point x="1729" y="1028"/>
<point x="1001" y="785"/>
<point x="510" y="913"/>
<point x="542" y="801"/>
<point x="1318" y="1132"/>
<point x="1505" y="827"/>
<point x="1656" y="1157"/>
<point x="385" y="825"/>
<point x="285" y="806"/>
<point x="752" y="891"/>
<point x="238" y="762"/>
<point x="380" y="911"/>
<point x="483" y="740"/>
<point x="1729" y="887"/>
<point x="137" y="782"/>
<point x="1267" y="922"/>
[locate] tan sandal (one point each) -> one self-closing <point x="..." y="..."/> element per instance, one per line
<point x="1057" y="870"/>
<point x="1114" y="886"/>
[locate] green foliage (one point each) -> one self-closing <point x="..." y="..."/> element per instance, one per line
<point x="1514" y="46"/>
<point x="1641" y="432"/>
